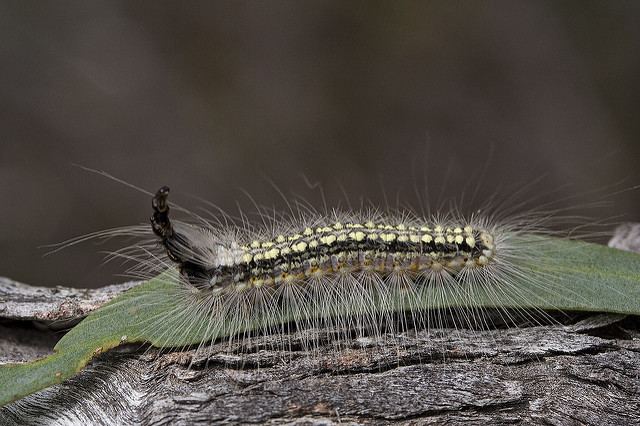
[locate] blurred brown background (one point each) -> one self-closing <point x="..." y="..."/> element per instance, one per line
<point x="215" y="97"/>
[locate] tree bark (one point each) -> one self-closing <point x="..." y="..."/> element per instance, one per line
<point x="586" y="372"/>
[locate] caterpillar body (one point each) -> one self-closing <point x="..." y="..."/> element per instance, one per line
<point x="328" y="248"/>
<point x="350" y="271"/>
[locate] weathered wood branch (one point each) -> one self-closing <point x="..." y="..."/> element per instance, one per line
<point x="587" y="372"/>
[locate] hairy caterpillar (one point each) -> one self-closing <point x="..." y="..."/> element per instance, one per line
<point x="355" y="271"/>
<point x="358" y="270"/>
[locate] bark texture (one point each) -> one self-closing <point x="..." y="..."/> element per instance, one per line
<point x="587" y="372"/>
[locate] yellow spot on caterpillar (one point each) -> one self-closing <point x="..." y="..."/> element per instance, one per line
<point x="281" y="238"/>
<point x="487" y="239"/>
<point x="459" y="239"/>
<point x="372" y="236"/>
<point x="342" y="237"/>
<point x="337" y="226"/>
<point x="255" y="244"/>
<point x="438" y="229"/>
<point x="246" y="258"/>
<point x="457" y="230"/>
<point x="388" y="237"/>
<point x="285" y="251"/>
<point x="307" y="232"/>
<point x="403" y="238"/>
<point x="294" y="237"/>
<point x="300" y="247"/>
<point x="439" y="240"/>
<point x="471" y="242"/>
<point x="258" y="257"/>
<point x="369" y="225"/>
<point x="401" y="227"/>
<point x="425" y="229"/>
<point x="414" y="238"/>
<point x="313" y="243"/>
<point x="328" y="240"/>
<point x="267" y="244"/>
<point x="358" y="236"/>
<point x="450" y="238"/>
<point x="426" y="238"/>
<point x="468" y="229"/>
<point x="272" y="254"/>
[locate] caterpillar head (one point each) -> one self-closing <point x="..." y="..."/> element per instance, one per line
<point x="195" y="249"/>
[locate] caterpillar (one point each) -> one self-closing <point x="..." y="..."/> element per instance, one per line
<point x="356" y="271"/>
<point x="353" y="268"/>
<point x="363" y="271"/>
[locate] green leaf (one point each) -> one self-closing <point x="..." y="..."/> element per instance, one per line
<point x="571" y="276"/>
